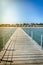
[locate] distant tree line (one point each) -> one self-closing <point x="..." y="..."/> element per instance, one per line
<point x="22" y="25"/>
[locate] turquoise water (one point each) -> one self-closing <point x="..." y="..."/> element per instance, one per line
<point x="36" y="34"/>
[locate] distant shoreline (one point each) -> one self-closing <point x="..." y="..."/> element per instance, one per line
<point x="21" y="27"/>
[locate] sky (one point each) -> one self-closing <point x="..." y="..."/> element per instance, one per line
<point x="21" y="11"/>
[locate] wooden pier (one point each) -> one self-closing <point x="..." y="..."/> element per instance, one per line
<point x="21" y="50"/>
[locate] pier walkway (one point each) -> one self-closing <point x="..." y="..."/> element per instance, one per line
<point x="21" y="50"/>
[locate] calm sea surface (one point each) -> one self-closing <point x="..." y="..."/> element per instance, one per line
<point x="35" y="33"/>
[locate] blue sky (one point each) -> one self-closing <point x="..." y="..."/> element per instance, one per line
<point x="21" y="11"/>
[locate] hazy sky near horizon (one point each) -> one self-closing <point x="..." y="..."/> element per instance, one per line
<point x="21" y="11"/>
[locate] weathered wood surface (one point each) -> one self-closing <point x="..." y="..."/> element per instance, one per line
<point x="21" y="49"/>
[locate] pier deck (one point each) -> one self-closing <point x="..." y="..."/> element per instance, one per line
<point x="21" y="50"/>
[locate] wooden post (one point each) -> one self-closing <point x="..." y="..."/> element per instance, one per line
<point x="41" y="41"/>
<point x="32" y="34"/>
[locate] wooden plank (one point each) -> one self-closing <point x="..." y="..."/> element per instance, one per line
<point x="23" y="49"/>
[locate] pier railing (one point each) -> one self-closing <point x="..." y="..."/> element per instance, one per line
<point x="40" y="39"/>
